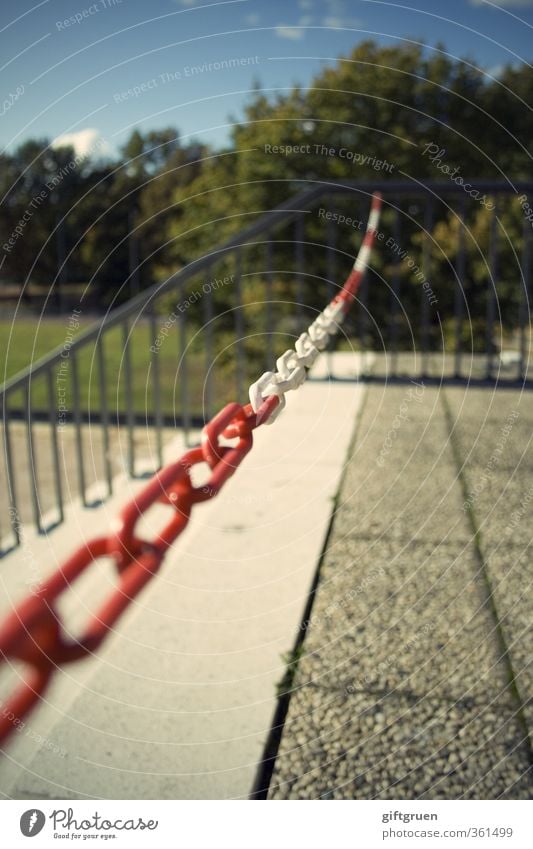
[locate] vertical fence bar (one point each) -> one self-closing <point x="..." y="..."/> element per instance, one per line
<point x="362" y="309"/>
<point x="331" y="258"/>
<point x="459" y="295"/>
<point x="238" y="317"/>
<point x="491" y="293"/>
<point x="78" y="426"/>
<point x="32" y="463"/>
<point x="209" y="355"/>
<point x="426" y="270"/>
<point x="14" y="515"/>
<point x="525" y="290"/>
<point x="104" y="411"/>
<point x="395" y="293"/>
<point x="130" y="412"/>
<point x="61" y="277"/>
<point x="269" y="357"/>
<point x="154" y="351"/>
<point x="133" y="256"/>
<point x="183" y="375"/>
<point x="52" y="413"/>
<point x="300" y="259"/>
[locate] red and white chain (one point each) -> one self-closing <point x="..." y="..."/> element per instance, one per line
<point x="34" y="632"/>
<point x="293" y="365"/>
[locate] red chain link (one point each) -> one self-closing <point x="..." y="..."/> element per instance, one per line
<point x="33" y="632"/>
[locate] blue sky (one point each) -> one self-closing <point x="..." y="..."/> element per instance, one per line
<point x="97" y="68"/>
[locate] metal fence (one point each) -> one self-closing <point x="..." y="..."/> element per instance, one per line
<point x="178" y="349"/>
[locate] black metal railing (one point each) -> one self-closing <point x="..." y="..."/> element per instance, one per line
<point x="174" y="352"/>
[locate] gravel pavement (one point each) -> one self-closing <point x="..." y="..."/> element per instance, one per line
<point x="413" y="679"/>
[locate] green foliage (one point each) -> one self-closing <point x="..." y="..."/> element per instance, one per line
<point x="369" y="116"/>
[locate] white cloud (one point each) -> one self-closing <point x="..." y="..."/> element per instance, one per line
<point x="338" y="14"/>
<point x="294" y="33"/>
<point x="297" y="31"/>
<point x="88" y="142"/>
<point x="252" y="19"/>
<point x="496" y="71"/>
<point x="341" y="23"/>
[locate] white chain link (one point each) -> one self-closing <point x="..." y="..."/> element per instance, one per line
<point x="292" y="366"/>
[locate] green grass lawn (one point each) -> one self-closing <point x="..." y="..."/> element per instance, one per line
<point x="26" y="340"/>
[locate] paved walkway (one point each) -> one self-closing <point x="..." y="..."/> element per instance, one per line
<point x="413" y="680"/>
